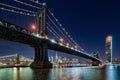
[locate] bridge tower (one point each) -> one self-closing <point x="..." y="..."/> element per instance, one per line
<point x="41" y="51"/>
<point x="96" y="55"/>
<point x="40" y="21"/>
<point x="17" y="60"/>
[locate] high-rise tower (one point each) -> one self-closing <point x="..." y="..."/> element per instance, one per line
<point x="109" y="49"/>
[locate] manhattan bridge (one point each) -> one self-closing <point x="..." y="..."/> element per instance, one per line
<point x="33" y="23"/>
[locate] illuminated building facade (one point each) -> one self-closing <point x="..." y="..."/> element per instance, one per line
<point x="109" y="49"/>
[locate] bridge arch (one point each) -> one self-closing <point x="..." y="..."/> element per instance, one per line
<point x="13" y="27"/>
<point x="25" y="31"/>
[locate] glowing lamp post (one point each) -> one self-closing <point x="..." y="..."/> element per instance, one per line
<point x="46" y="37"/>
<point x="76" y="46"/>
<point x="33" y="27"/>
<point x="67" y="44"/>
<point x="61" y="40"/>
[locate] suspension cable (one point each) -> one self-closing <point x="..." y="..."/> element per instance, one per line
<point x="27" y="4"/>
<point x="52" y="32"/>
<point x="60" y="31"/>
<point x="37" y="2"/>
<point x="53" y="29"/>
<point x="13" y="11"/>
<point x="16" y="8"/>
<point x="57" y="27"/>
<point x="63" y="29"/>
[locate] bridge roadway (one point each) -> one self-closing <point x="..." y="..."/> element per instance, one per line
<point x="15" y="33"/>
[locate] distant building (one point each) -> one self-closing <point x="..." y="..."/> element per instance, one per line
<point x="108" y="49"/>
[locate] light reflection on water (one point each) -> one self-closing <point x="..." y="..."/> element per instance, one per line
<point x="76" y="73"/>
<point x="113" y="72"/>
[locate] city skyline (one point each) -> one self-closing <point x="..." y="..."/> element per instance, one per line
<point x="92" y="23"/>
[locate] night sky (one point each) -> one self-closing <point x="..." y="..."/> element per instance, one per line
<point x="87" y="21"/>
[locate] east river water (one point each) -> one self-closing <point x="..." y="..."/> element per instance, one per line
<point x="73" y="73"/>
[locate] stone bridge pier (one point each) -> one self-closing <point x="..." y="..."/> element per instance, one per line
<point x="41" y="56"/>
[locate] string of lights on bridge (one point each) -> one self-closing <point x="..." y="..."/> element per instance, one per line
<point x="59" y="30"/>
<point x="13" y="11"/>
<point x="52" y="30"/>
<point x="17" y="8"/>
<point x="54" y="23"/>
<point x="26" y="4"/>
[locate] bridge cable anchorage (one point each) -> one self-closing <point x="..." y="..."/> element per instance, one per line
<point x="59" y="29"/>
<point x="17" y="8"/>
<point x="13" y="11"/>
<point x="62" y="28"/>
<point x="37" y="2"/>
<point x="26" y="4"/>
<point x="52" y="32"/>
<point x="50" y="27"/>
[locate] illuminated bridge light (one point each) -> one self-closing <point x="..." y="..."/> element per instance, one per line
<point x="67" y="45"/>
<point x="46" y="37"/>
<point x="53" y="41"/>
<point x="76" y="46"/>
<point x="72" y="48"/>
<point x="75" y="49"/>
<point x="61" y="44"/>
<point x="33" y="27"/>
<point x="37" y="35"/>
<point x="61" y="40"/>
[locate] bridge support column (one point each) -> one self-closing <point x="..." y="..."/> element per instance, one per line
<point x="41" y="57"/>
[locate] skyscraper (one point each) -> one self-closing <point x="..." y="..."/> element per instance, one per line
<point x="109" y="49"/>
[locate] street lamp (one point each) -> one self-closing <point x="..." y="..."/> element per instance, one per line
<point x="61" y="40"/>
<point x="76" y="46"/>
<point x="33" y="27"/>
<point x="67" y="44"/>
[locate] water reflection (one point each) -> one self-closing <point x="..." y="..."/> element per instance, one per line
<point x="78" y="73"/>
<point x="112" y="72"/>
<point x="15" y="74"/>
<point x="41" y="74"/>
<point x="67" y="74"/>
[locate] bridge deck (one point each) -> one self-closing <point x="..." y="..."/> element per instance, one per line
<point x="17" y="34"/>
